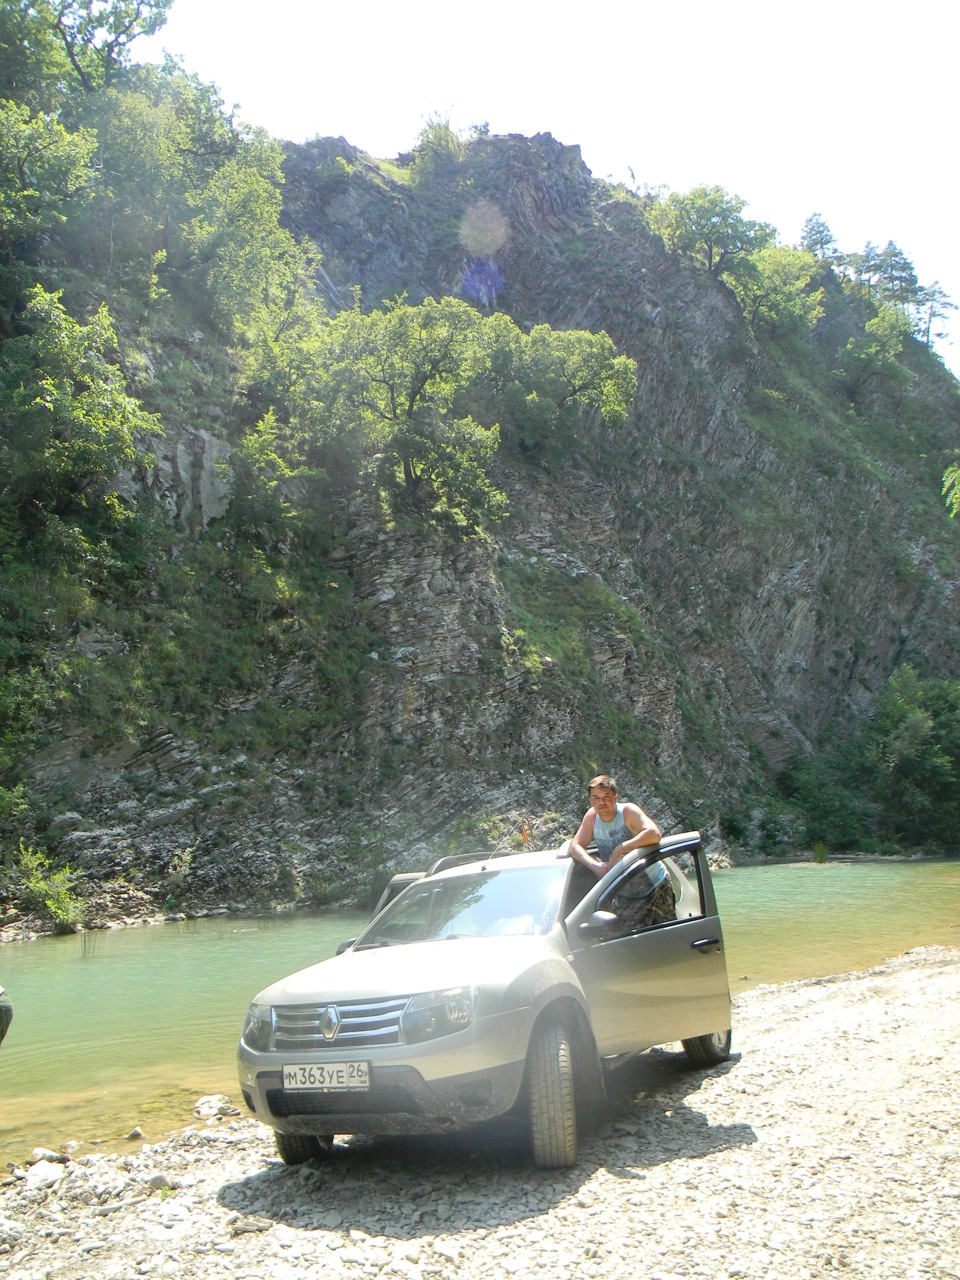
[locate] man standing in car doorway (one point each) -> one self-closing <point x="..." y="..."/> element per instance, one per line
<point x="616" y="829"/>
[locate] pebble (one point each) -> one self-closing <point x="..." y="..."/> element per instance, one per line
<point x="825" y="1148"/>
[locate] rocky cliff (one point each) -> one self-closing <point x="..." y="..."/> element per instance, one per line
<point x="784" y="576"/>
<point x="742" y="565"/>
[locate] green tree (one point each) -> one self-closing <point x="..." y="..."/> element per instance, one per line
<point x="45" y="888"/>
<point x="543" y="382"/>
<point x="431" y="390"/>
<point x="438" y="154"/>
<point x="871" y="360"/>
<point x="97" y="34"/>
<point x="817" y="238"/>
<point x="67" y="429"/>
<point x="914" y="742"/>
<point x="43" y="170"/>
<point x="827" y="790"/>
<point x="34" y="70"/>
<point x="160" y="142"/>
<point x="390" y="380"/>
<point x="776" y="291"/>
<point x="272" y="498"/>
<point x="239" y="250"/>
<point x="863" y="269"/>
<point x="886" y="279"/>
<point x="67" y="424"/>
<point x="286" y="336"/>
<point x="707" y="224"/>
<point x="933" y="304"/>
<point x="161" y="139"/>
<point x="897" y="284"/>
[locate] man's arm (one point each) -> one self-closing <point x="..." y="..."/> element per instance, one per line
<point x="578" y="845"/>
<point x="645" y="831"/>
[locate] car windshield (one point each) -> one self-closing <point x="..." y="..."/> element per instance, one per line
<point x="481" y="904"/>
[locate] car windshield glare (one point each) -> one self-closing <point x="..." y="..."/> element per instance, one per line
<point x="483" y="904"/>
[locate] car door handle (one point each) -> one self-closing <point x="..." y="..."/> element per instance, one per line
<point x="702" y="943"/>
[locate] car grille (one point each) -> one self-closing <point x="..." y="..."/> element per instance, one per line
<point x="382" y="1100"/>
<point x="344" y="1024"/>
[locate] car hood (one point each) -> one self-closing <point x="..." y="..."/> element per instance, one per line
<point x="413" y="967"/>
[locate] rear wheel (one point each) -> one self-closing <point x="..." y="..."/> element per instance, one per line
<point x="708" y="1051"/>
<point x="296" y="1148"/>
<point x="550" y="1091"/>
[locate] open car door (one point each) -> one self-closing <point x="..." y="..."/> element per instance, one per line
<point x="662" y="982"/>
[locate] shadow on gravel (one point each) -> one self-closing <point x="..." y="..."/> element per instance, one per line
<point x="404" y="1188"/>
<point x="648" y="1121"/>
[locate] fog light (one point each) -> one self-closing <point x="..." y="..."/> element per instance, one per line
<point x="476" y="1094"/>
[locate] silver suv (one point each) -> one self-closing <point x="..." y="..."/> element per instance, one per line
<point x="499" y="984"/>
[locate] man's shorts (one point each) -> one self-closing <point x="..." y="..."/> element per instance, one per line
<point x="641" y="913"/>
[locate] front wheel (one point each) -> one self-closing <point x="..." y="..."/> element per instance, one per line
<point x="550" y="1092"/>
<point x="296" y="1148"/>
<point x="708" y="1051"/>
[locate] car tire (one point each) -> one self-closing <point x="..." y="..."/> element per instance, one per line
<point x="550" y="1093"/>
<point x="708" y="1051"/>
<point x="296" y="1148"/>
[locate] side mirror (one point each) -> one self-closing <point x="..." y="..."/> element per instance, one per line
<point x="601" y="926"/>
<point x="345" y="946"/>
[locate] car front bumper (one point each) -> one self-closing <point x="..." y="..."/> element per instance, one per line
<point x="438" y="1086"/>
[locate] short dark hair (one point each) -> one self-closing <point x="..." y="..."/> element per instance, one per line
<point x="602" y="780"/>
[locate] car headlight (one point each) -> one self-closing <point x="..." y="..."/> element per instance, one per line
<point x="438" y="1013"/>
<point x="257" y="1030"/>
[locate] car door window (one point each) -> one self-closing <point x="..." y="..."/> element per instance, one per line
<point x="638" y="905"/>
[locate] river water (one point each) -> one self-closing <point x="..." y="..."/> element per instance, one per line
<point x="128" y="1027"/>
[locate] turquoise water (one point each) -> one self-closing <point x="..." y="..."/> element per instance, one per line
<point x="128" y="1027"/>
<point x="804" y="921"/>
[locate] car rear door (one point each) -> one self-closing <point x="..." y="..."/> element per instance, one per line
<point x="656" y="984"/>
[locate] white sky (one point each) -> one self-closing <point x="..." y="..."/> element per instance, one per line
<point x="848" y="109"/>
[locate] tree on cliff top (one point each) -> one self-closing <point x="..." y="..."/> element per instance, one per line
<point x="707" y="224"/>
<point x="817" y="238"/>
<point x="97" y="34"/>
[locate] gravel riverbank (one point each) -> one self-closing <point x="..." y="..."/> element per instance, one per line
<point x="827" y="1147"/>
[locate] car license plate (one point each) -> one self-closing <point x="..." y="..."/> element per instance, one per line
<point x="327" y="1075"/>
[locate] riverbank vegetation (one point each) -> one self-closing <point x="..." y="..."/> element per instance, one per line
<point x="892" y="786"/>
<point x="150" y="284"/>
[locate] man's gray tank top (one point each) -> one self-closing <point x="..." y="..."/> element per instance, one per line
<point x="607" y="835"/>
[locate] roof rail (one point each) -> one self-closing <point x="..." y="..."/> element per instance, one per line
<point x="461" y="859"/>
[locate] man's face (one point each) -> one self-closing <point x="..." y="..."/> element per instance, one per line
<point x="604" y="800"/>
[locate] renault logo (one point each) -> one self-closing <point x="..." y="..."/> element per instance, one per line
<point x="330" y="1022"/>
